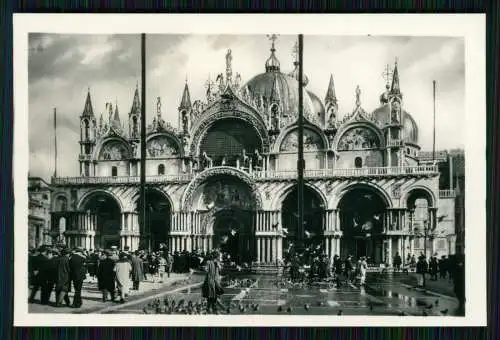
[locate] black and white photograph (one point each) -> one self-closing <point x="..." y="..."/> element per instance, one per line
<point x="175" y="174"/>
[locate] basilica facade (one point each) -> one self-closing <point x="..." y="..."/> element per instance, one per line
<point x="226" y="176"/>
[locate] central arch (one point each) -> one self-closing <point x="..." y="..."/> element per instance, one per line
<point x="107" y="212"/>
<point x="158" y="217"/>
<point x="362" y="211"/>
<point x="314" y="209"/>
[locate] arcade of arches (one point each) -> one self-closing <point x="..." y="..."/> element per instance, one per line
<point x="223" y="213"/>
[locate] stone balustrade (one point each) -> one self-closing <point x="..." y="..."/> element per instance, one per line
<point x="422" y="170"/>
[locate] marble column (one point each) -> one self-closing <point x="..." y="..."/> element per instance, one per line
<point x="259" y="241"/>
<point x="279" y="249"/>
<point x="389" y="251"/>
<point x="337" y="246"/>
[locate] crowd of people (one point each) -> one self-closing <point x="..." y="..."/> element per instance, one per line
<point x="60" y="269"/>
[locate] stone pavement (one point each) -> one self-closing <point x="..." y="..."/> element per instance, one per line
<point x="267" y="297"/>
<point x="441" y="286"/>
<point x="92" y="297"/>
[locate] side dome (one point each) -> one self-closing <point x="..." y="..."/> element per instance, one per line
<point x="382" y="115"/>
<point x="319" y="108"/>
<point x="278" y="86"/>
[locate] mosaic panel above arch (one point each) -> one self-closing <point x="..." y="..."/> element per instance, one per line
<point x="114" y="150"/>
<point x="358" y="138"/>
<point x="161" y="146"/>
<point x="312" y="141"/>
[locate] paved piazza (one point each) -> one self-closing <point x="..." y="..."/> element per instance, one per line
<point x="266" y="296"/>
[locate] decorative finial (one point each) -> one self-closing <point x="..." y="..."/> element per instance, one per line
<point x="358" y="94"/>
<point x="137" y="84"/>
<point x="273" y="37"/>
<point x="295" y="52"/>
<point x="158" y="106"/>
<point x="387" y="75"/>
<point x="229" y="66"/>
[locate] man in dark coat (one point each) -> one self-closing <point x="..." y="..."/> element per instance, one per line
<point x="422" y="268"/>
<point x="169" y="259"/>
<point x="40" y="267"/>
<point x="78" y="271"/>
<point x="63" y="278"/>
<point x="106" y="276"/>
<point x="397" y="262"/>
<point x="458" y="274"/>
<point x="137" y="270"/>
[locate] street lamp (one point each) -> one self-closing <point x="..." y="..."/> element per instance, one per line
<point x="427" y="234"/>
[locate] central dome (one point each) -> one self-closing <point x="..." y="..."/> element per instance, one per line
<point x="281" y="87"/>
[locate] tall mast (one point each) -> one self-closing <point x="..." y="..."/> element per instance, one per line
<point x="434" y="121"/>
<point x="300" y="162"/>
<point x="55" y="143"/>
<point x="143" y="136"/>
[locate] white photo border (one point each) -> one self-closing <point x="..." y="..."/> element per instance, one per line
<point x="470" y="26"/>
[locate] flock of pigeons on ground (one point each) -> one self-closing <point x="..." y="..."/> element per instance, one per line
<point x="169" y="306"/>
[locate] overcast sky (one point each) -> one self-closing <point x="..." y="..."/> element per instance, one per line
<point x="62" y="67"/>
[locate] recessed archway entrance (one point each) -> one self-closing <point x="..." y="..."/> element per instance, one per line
<point x="313" y="221"/>
<point x="107" y="217"/>
<point x="233" y="234"/>
<point x="362" y="213"/>
<point x="157" y="223"/>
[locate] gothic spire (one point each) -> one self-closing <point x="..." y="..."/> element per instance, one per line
<point x="116" y="118"/>
<point x="395" y="89"/>
<point x="88" y="111"/>
<point x="330" y="93"/>
<point x="186" y="98"/>
<point x="136" y="102"/>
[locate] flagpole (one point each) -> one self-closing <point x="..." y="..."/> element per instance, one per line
<point x="143" y="137"/>
<point x="55" y="143"/>
<point x="434" y="121"/>
<point x="300" y="162"/>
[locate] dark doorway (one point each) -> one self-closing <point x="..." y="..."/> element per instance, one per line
<point x="233" y="235"/>
<point x="362" y="212"/>
<point x="313" y="221"/>
<point x="158" y="213"/>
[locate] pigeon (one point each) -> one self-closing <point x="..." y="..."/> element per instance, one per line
<point x="228" y="310"/>
<point x="371" y="306"/>
<point x="280" y="309"/>
<point x="289" y="309"/>
<point x="402" y="313"/>
<point x="424" y="313"/>
<point x="233" y="232"/>
<point x="321" y="303"/>
<point x="256" y="307"/>
<point x="436" y="302"/>
<point x="241" y="308"/>
<point x="430" y="306"/>
<point x="445" y="311"/>
<point x="284" y="230"/>
<point x="339" y="312"/>
<point x="307" y="306"/>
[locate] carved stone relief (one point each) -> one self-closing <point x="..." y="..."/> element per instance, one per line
<point x="358" y="139"/>
<point x="161" y="146"/>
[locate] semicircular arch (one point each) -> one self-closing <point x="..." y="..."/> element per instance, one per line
<point x="285" y="191"/>
<point x="209" y="119"/>
<point x="220" y="171"/>
<point x="85" y="199"/>
<point x="112" y="148"/>
<point x="367" y="134"/>
<point x="415" y="192"/>
<point x="163" y="144"/>
<point x="379" y="191"/>
<point x="314" y="138"/>
<point x="155" y="190"/>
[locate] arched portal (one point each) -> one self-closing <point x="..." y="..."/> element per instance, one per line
<point x="226" y="139"/>
<point x="362" y="212"/>
<point x="107" y="218"/>
<point x="313" y="221"/>
<point x="227" y="204"/>
<point x="157" y="223"/>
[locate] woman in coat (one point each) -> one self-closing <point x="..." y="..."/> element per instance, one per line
<point x="211" y="286"/>
<point x="63" y="279"/>
<point x="362" y="271"/>
<point x="123" y="269"/>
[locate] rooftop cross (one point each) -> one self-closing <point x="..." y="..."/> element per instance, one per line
<point x="273" y="37"/>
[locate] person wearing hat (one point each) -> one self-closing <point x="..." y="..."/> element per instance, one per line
<point x="40" y="274"/>
<point x="78" y="272"/>
<point x="137" y="270"/>
<point x="106" y="276"/>
<point x="63" y="278"/>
